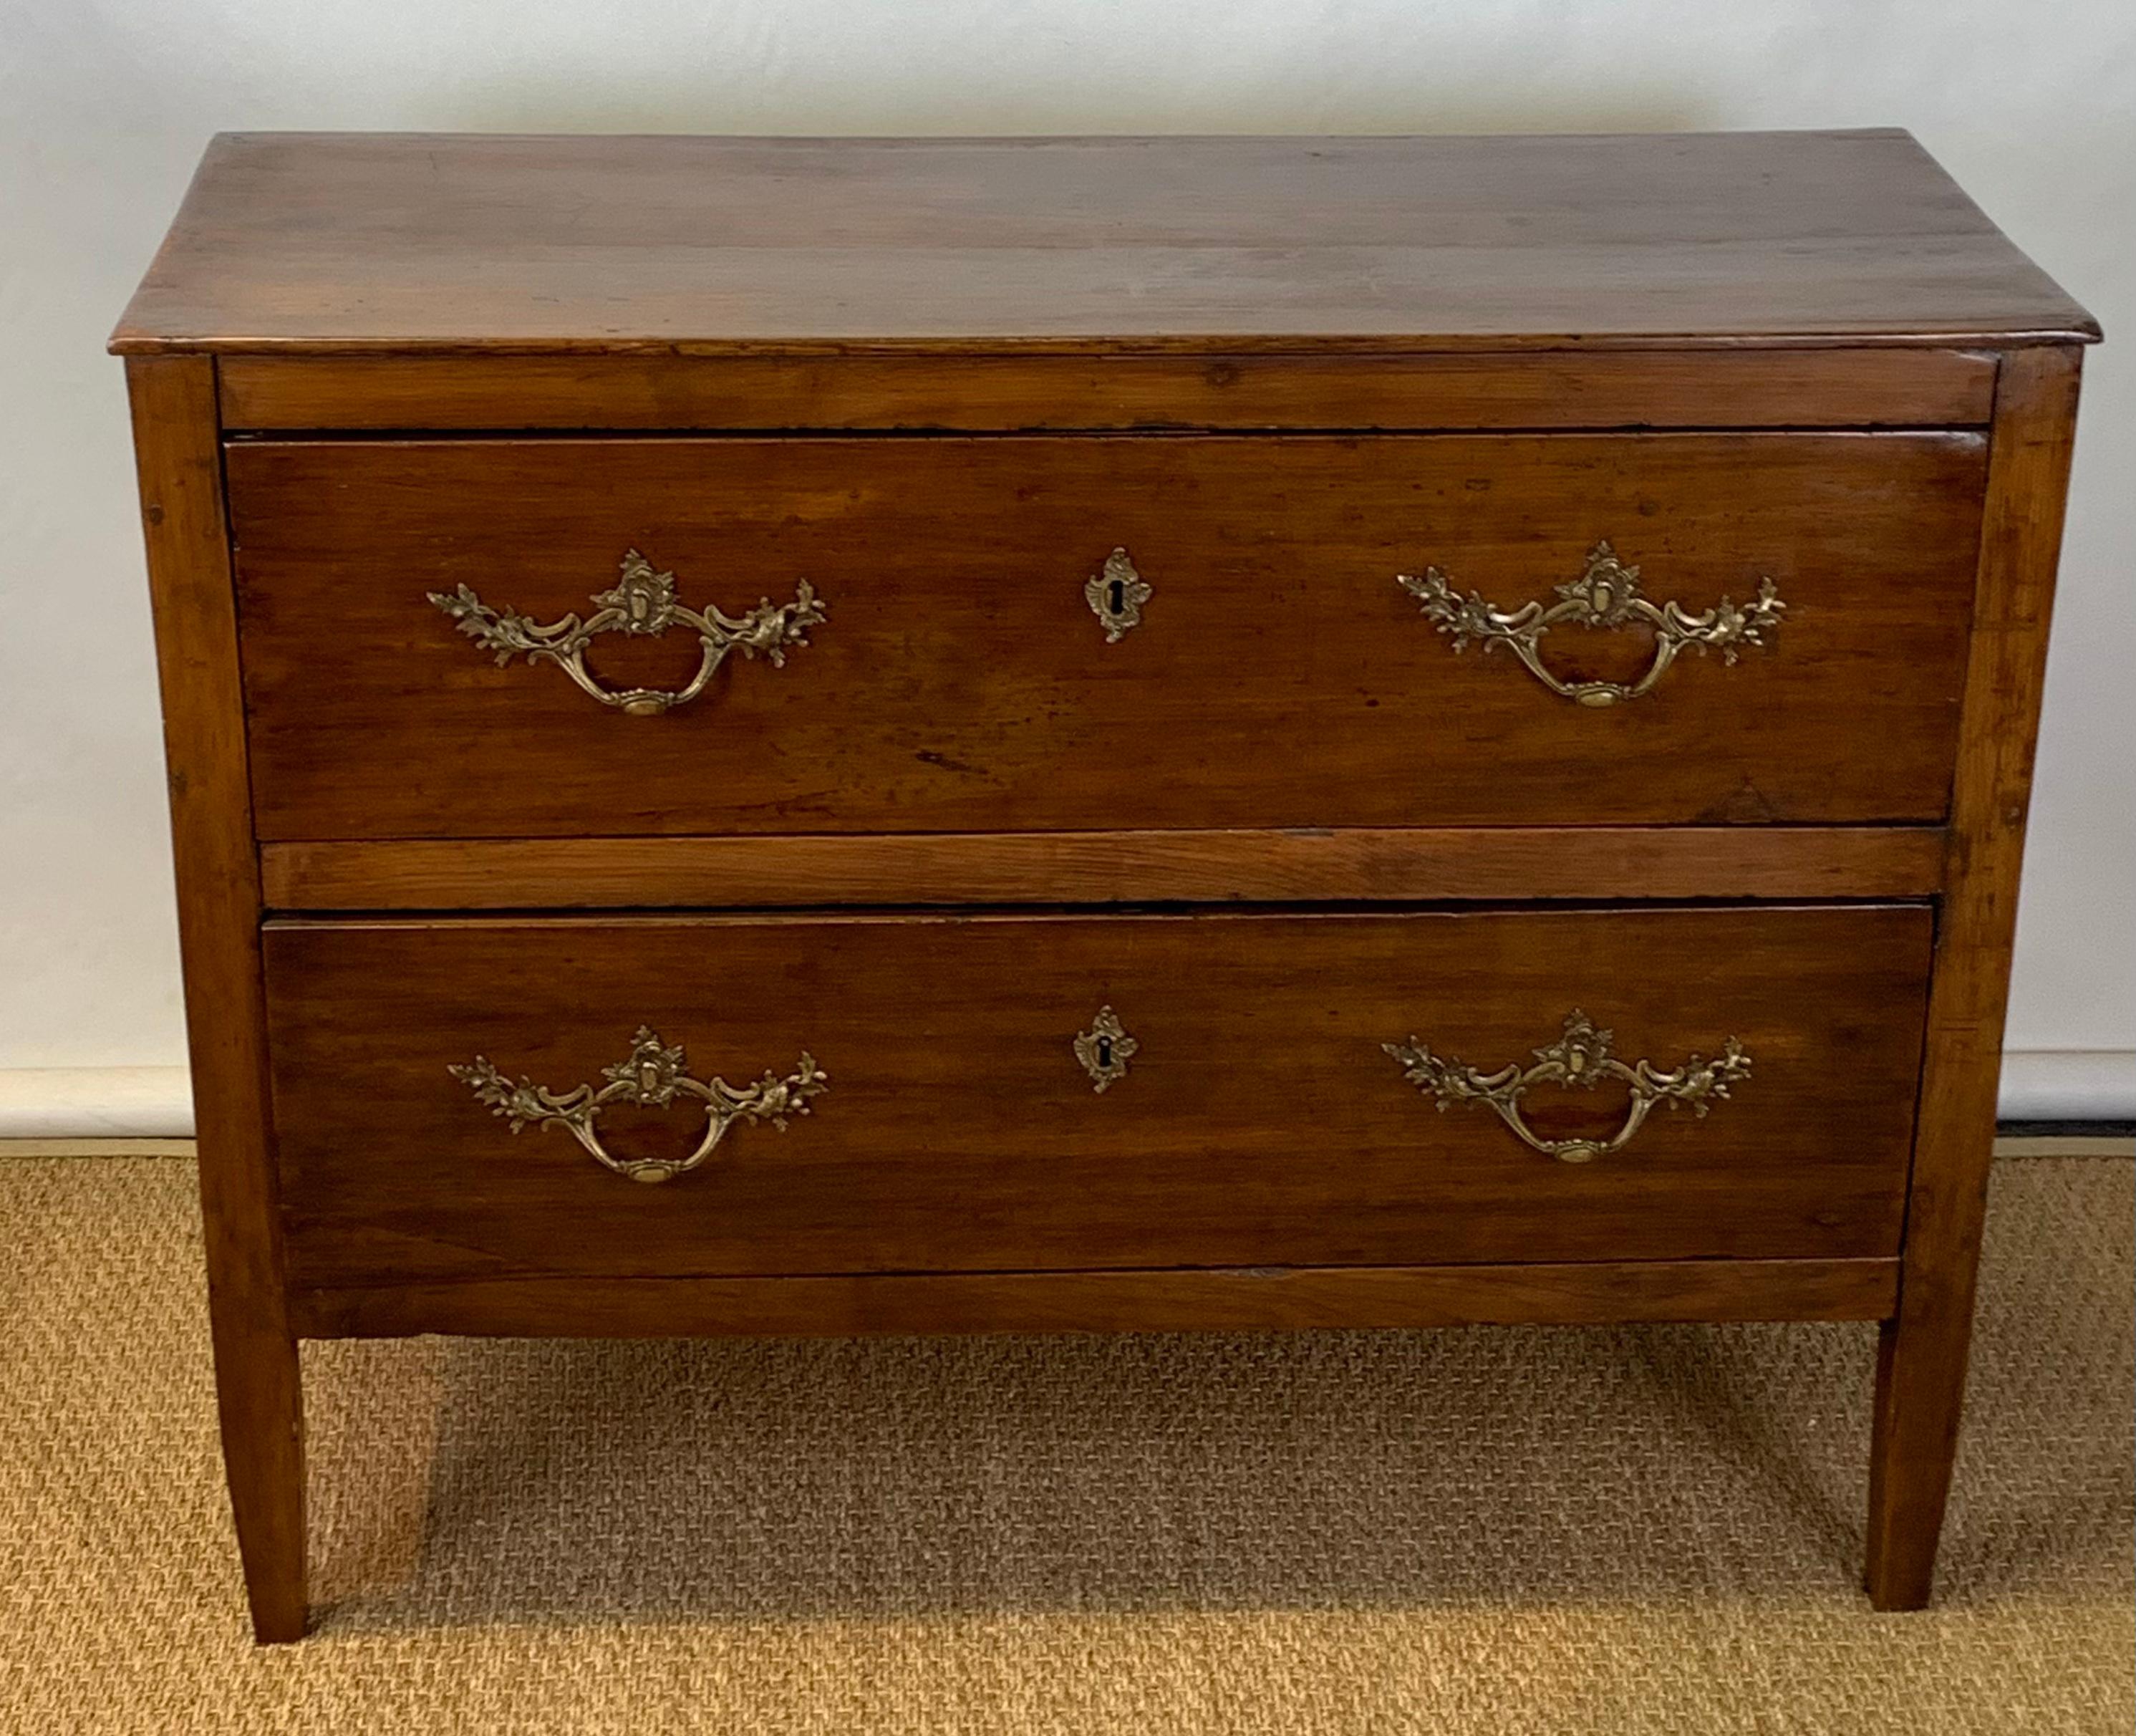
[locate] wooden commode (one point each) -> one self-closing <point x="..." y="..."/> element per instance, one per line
<point x="1095" y="735"/>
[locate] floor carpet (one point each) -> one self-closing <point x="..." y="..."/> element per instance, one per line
<point x="1654" y="1529"/>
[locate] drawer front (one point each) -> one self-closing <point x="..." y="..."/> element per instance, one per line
<point x="1251" y="1114"/>
<point x="962" y="679"/>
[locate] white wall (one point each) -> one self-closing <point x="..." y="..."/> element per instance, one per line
<point x="104" y="104"/>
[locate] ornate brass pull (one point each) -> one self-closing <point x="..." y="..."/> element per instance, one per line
<point x="1606" y="595"/>
<point x="1580" y="1057"/>
<point x="654" y="1076"/>
<point x="642" y="605"/>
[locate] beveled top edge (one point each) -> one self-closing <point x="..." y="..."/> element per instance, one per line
<point x="353" y="243"/>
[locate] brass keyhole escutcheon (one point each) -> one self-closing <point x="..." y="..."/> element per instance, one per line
<point x="1116" y="595"/>
<point x="1106" y="1049"/>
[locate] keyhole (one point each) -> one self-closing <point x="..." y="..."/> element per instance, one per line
<point x="1105" y="1051"/>
<point x="1116" y="595"/>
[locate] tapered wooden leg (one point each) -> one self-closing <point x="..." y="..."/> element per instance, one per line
<point x="1921" y="1364"/>
<point x="260" y="1396"/>
<point x="177" y="443"/>
<point x="1920" y="1383"/>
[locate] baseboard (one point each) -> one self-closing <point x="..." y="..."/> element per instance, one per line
<point x="156" y="1102"/>
<point x="95" y="1102"/>
<point x="2068" y="1085"/>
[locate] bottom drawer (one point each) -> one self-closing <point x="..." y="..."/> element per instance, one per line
<point x="1564" y="1085"/>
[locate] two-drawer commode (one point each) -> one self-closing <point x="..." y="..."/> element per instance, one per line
<point x="1095" y="735"/>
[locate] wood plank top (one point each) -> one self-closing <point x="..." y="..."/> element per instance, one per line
<point x="292" y="242"/>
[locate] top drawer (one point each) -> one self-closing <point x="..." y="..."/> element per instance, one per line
<point x="976" y="669"/>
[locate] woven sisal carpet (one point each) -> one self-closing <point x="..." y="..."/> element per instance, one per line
<point x="1629" y="1531"/>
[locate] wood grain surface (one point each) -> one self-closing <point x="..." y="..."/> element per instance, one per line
<point x="1774" y="388"/>
<point x="1415" y="865"/>
<point x="1580" y="1293"/>
<point x="349" y="241"/>
<point x="1261" y="1122"/>
<point x="1280" y="678"/>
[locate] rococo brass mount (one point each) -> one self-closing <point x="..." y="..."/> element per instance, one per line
<point x="1605" y="595"/>
<point x="1580" y="1057"/>
<point x="1106" y="1049"/>
<point x="641" y="604"/>
<point x="1116" y="595"/>
<point x="653" y="1076"/>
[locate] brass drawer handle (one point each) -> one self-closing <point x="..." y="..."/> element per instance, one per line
<point x="654" y="1076"/>
<point x="1605" y="595"/>
<point x="643" y="604"/>
<point x="1580" y="1057"/>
